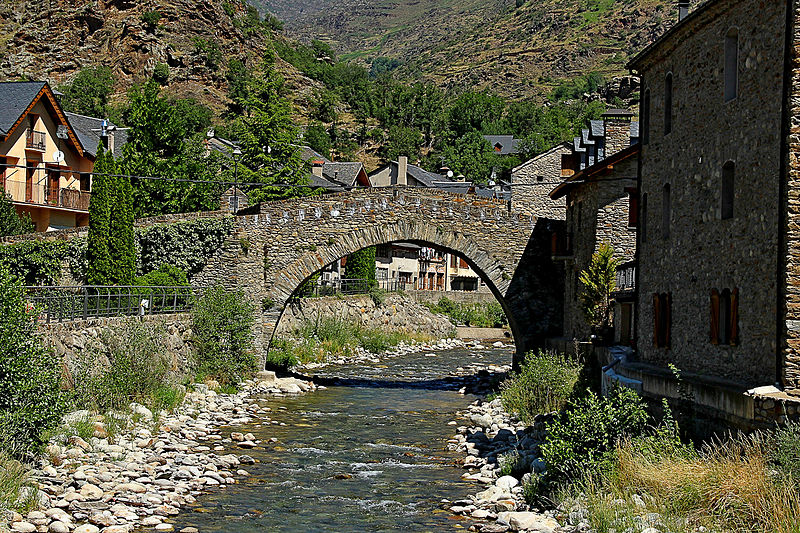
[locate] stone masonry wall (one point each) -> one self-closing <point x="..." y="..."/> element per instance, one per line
<point x="597" y="214"/>
<point x="531" y="183"/>
<point x="272" y="251"/>
<point x="74" y="340"/>
<point x="790" y="349"/>
<point x="395" y="313"/>
<point x="463" y="297"/>
<point x="704" y="252"/>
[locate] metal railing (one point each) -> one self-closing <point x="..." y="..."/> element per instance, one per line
<point x="39" y="191"/>
<point x="36" y="140"/>
<point x="61" y="304"/>
<point x="350" y="287"/>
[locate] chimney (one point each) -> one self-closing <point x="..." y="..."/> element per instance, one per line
<point x="402" y="171"/>
<point x="683" y="9"/>
<point x="616" y="130"/>
<point x="316" y="168"/>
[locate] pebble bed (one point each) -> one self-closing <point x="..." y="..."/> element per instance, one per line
<point x="142" y="476"/>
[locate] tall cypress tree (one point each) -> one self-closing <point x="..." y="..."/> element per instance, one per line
<point x="121" y="234"/>
<point x="98" y="253"/>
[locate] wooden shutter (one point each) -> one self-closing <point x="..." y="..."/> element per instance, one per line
<point x="734" y="317"/>
<point x="656" y="319"/>
<point x="714" y="316"/>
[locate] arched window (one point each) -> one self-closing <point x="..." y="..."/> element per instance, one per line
<point x="731" y="64"/>
<point x="728" y="174"/>
<point x="645" y="133"/>
<point x="666" y="211"/>
<point x="725" y="317"/>
<point x="668" y="104"/>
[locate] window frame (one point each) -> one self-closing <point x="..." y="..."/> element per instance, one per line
<point x="669" y="102"/>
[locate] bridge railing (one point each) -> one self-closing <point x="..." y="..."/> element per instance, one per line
<point x="62" y="304"/>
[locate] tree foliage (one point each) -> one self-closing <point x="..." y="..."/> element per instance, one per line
<point x="98" y="252"/>
<point x="30" y="375"/>
<point x="598" y="282"/>
<point x="361" y="265"/>
<point x="10" y="222"/>
<point x="88" y="92"/>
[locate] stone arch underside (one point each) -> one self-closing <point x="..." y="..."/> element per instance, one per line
<point x="273" y="251"/>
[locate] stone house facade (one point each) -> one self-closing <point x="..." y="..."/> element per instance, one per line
<point x="533" y="180"/>
<point x="600" y="201"/>
<point x="713" y="235"/>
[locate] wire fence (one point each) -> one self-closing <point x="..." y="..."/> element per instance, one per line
<point x="61" y="304"/>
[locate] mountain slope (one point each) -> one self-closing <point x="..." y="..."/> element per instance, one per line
<point x="516" y="51"/>
<point x="53" y="39"/>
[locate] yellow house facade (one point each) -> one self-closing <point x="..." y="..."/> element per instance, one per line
<point x="44" y="168"/>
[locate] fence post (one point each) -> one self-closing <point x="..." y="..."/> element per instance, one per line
<point x="85" y="303"/>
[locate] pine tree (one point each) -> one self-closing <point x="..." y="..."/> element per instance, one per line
<point x="98" y="253"/>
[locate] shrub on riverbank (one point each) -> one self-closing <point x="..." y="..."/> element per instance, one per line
<point x="30" y="375"/>
<point x="730" y="485"/>
<point x="317" y="340"/>
<point x="479" y="315"/>
<point x="544" y="383"/>
<point x="223" y="336"/>
<point x="136" y="371"/>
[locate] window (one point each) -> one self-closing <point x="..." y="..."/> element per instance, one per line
<point x="453" y="261"/>
<point x="645" y="133"/>
<point x="85" y="180"/>
<point x="633" y="207"/>
<point x="728" y="173"/>
<point x="383" y="250"/>
<point x="668" y="104"/>
<point x="643" y="227"/>
<point x="662" y="319"/>
<point x="666" y="211"/>
<point x="731" y="64"/>
<point x="725" y="317"/>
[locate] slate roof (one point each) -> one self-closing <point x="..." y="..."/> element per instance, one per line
<point x="88" y="131"/>
<point x="342" y="173"/>
<point x="322" y="183"/>
<point x="508" y="144"/>
<point x="15" y="97"/>
<point x="309" y="154"/>
<point x="425" y="177"/>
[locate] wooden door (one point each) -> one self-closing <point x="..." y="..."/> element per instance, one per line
<point x="54" y="179"/>
<point x="30" y="173"/>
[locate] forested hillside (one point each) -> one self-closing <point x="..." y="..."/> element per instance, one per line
<point x="516" y="48"/>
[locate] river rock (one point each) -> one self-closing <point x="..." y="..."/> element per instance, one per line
<point x="528" y="521"/>
<point x="141" y="410"/>
<point x="23" y="527"/>
<point x="58" y="527"/>
<point x="87" y="528"/>
<point x="91" y="492"/>
<point x="507" y="482"/>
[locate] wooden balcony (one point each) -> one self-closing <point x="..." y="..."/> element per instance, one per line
<point x="36" y="140"/>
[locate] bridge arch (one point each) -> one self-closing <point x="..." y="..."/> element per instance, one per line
<point x="277" y="246"/>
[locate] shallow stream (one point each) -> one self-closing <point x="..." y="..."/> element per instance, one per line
<point x="366" y="454"/>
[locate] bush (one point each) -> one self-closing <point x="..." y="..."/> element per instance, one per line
<point x="582" y="441"/>
<point x="34" y="262"/>
<point x="151" y="20"/>
<point x="10" y="222"/>
<point x="784" y="451"/>
<point x="544" y="384"/>
<point x="166" y="276"/>
<point x="487" y="315"/>
<point x="161" y="73"/>
<point x="137" y="370"/>
<point x="30" y="375"/>
<point x="223" y="336"/>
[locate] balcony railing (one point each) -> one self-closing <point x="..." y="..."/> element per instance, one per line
<point x="39" y="191"/>
<point x="36" y="140"/>
<point x="626" y="277"/>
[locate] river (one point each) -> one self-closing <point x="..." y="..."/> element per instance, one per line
<point x="368" y="453"/>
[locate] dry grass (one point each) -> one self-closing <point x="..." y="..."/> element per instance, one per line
<point x="726" y="486"/>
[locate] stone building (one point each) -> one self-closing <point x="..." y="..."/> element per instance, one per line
<point x="601" y="208"/>
<point x="532" y="181"/>
<point x="719" y="237"/>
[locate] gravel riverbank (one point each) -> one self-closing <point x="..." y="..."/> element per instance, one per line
<point x="144" y="475"/>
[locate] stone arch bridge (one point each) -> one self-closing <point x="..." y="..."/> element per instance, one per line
<point x="278" y="245"/>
